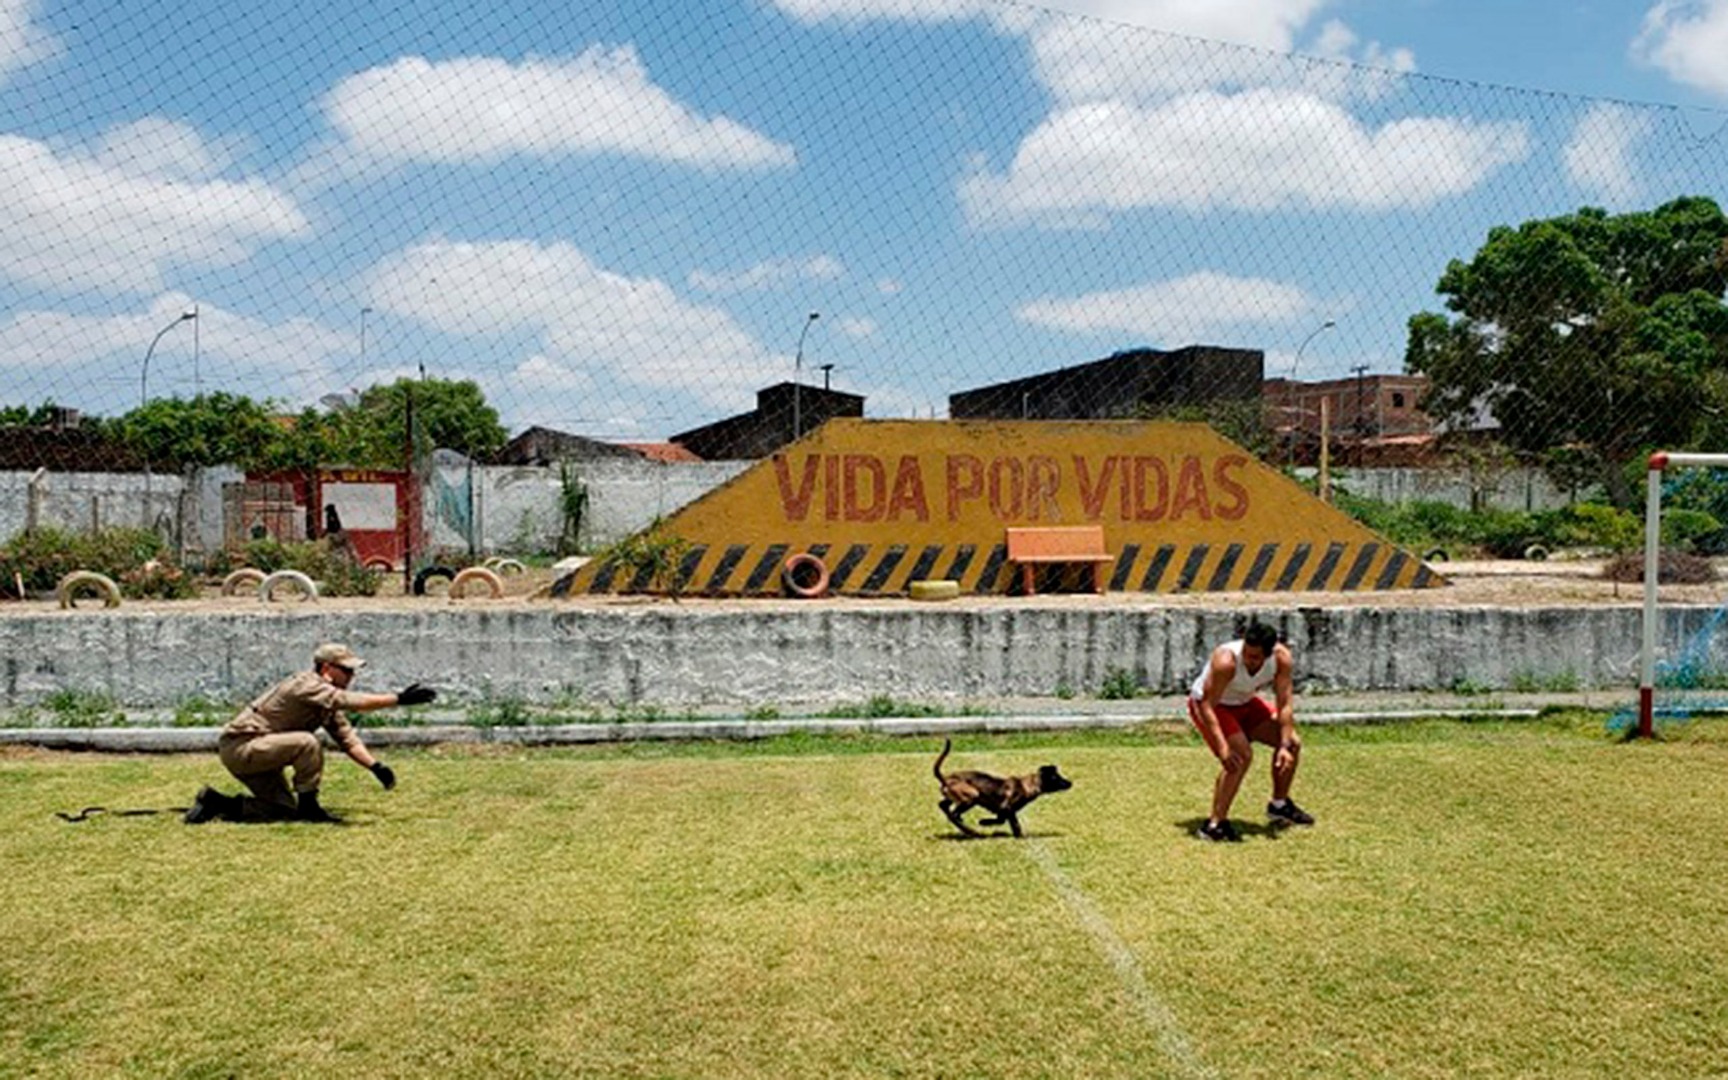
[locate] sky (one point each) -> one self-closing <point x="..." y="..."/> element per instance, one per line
<point x="618" y="216"/>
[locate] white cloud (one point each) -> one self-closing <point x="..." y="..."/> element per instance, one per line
<point x="1180" y="311"/>
<point x="1266" y="24"/>
<point x="1688" y="40"/>
<point x="113" y="218"/>
<point x="624" y="334"/>
<point x="1598" y="157"/>
<point x="96" y="362"/>
<point x="1080" y="61"/>
<point x="858" y="11"/>
<point x="483" y="109"/>
<point x="890" y="286"/>
<point x="1090" y="58"/>
<point x="772" y="273"/>
<point x="1258" y="150"/>
<point x="22" y="40"/>
<point x="855" y="327"/>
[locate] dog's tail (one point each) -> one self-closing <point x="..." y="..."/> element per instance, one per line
<point x="947" y="744"/>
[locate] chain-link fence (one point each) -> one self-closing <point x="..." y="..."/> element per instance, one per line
<point x="264" y="239"/>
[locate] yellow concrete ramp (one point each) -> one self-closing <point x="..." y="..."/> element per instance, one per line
<point x="883" y="503"/>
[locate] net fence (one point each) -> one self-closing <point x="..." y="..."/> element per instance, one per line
<point x="271" y="236"/>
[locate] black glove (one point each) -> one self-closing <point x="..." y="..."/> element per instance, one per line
<point x="385" y="774"/>
<point x="416" y="694"/>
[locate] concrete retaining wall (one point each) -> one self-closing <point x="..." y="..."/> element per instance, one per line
<point x="692" y="655"/>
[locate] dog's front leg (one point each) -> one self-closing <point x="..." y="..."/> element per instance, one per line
<point x="1013" y="823"/>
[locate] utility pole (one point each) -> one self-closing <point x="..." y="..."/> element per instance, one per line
<point x="1361" y="371"/>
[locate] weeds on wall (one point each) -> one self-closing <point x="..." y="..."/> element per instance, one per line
<point x="572" y="506"/>
<point x="649" y="559"/>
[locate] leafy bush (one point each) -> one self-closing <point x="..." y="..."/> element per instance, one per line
<point x="136" y="559"/>
<point x="158" y="580"/>
<point x="652" y="552"/>
<point x="330" y="564"/>
<point x="1508" y="534"/>
<point x="1689" y="530"/>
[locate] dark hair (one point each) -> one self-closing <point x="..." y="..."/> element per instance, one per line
<point x="1260" y="636"/>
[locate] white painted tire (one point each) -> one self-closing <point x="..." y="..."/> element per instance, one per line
<point x="247" y="577"/>
<point x="267" y="587"/>
<point x="69" y="585"/>
<point x="506" y="566"/>
<point x="459" y="584"/>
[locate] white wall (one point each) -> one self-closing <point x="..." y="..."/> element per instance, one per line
<point x="1510" y="489"/>
<point x="516" y="508"/>
<point x="184" y="510"/>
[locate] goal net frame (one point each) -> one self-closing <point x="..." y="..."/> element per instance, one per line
<point x="1660" y="463"/>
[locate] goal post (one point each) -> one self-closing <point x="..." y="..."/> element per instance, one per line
<point x="1660" y="462"/>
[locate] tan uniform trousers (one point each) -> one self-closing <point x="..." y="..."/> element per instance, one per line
<point x="258" y="760"/>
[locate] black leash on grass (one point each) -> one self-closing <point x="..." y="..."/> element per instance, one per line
<point x="91" y="811"/>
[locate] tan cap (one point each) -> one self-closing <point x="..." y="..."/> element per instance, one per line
<point x="332" y="653"/>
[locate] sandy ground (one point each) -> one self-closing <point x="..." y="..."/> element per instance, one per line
<point x="1558" y="583"/>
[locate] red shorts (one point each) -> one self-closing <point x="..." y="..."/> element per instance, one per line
<point x="1232" y="719"/>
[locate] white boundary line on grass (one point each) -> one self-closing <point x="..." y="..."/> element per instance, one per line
<point x="1172" y="1038"/>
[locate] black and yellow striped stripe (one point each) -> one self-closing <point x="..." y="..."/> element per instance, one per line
<point x="888" y="569"/>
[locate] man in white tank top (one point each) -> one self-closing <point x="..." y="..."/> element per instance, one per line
<point x="1225" y="705"/>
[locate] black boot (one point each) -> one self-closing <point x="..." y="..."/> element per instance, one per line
<point x="309" y="810"/>
<point x="211" y="805"/>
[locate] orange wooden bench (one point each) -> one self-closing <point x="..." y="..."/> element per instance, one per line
<point x="1059" y="544"/>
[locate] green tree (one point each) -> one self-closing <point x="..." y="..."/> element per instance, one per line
<point x="25" y="416"/>
<point x="209" y="429"/>
<point x="451" y="414"/>
<point x="1593" y="330"/>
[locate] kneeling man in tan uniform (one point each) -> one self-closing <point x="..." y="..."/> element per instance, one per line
<point x="279" y="730"/>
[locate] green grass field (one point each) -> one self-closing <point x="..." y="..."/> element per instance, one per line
<point x="1478" y="899"/>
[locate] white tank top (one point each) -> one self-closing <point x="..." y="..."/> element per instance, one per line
<point x="1243" y="685"/>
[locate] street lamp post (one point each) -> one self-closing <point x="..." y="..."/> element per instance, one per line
<point x="144" y="372"/>
<point x="1294" y="392"/>
<point x="144" y="399"/>
<point x="798" y="378"/>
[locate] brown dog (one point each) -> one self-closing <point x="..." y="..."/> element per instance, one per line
<point x="961" y="791"/>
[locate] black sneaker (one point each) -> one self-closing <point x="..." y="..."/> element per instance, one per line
<point x="1221" y="833"/>
<point x="1289" y="813"/>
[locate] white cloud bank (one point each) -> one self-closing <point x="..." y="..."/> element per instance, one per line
<point x="22" y="41"/>
<point x="1258" y="150"/>
<point x="1599" y="156"/>
<point x="1210" y="113"/>
<point x="1687" y="40"/>
<point x="62" y="355"/>
<point x="114" y="216"/>
<point x="594" y="330"/>
<point x="1193" y="308"/>
<point x="483" y="109"/>
<point x="769" y="274"/>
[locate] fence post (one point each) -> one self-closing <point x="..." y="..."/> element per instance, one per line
<point x="37" y="495"/>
